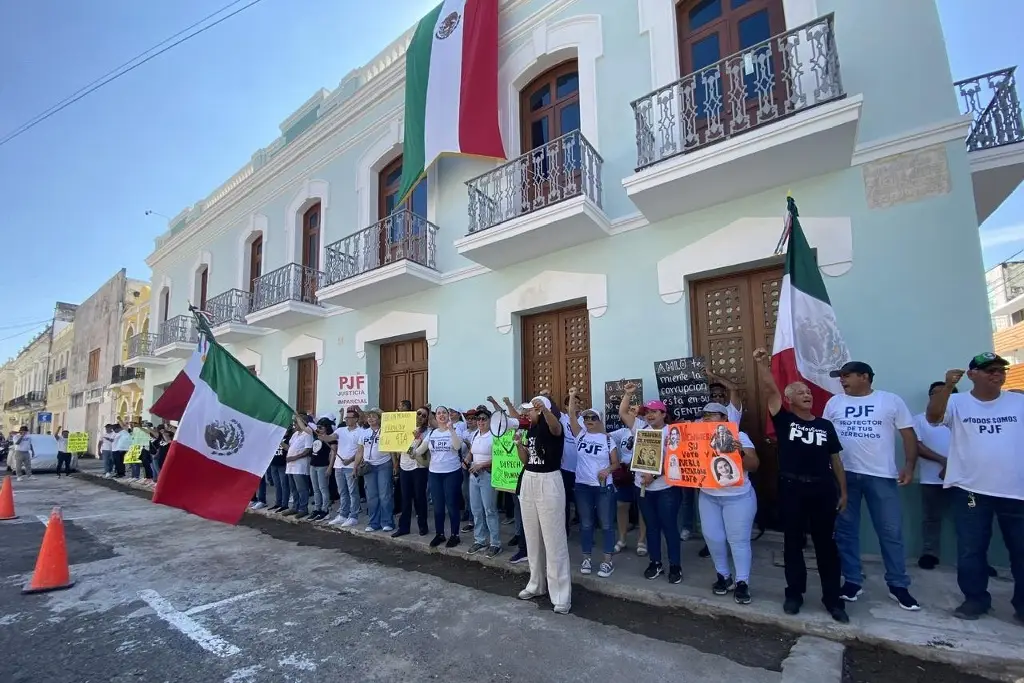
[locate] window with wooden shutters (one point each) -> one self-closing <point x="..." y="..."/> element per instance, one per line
<point x="94" y="366"/>
<point x="255" y="260"/>
<point x="204" y="282"/>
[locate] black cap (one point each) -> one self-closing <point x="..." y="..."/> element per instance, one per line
<point x="480" y="410"/>
<point x="984" y="360"/>
<point x="854" y="367"/>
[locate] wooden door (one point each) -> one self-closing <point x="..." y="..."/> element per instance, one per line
<point x="305" y="384"/>
<point x="255" y="261"/>
<point x="204" y="282"/>
<point x="556" y="354"/>
<point x="731" y="316"/>
<point x="403" y="373"/>
<point x="402" y="237"/>
<point x="310" y="254"/>
<point x="550" y="108"/>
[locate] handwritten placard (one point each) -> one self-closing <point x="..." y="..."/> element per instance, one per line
<point x="396" y="432"/>
<point x="704" y="455"/>
<point x="613" y="392"/>
<point x="505" y="463"/>
<point x="683" y="386"/>
<point x="78" y="442"/>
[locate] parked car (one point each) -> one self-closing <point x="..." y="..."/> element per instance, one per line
<point x="44" y="454"/>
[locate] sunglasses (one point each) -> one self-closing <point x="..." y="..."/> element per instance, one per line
<point x="590" y="418"/>
<point x="482" y="417"/>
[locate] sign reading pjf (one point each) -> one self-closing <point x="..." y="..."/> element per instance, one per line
<point x="353" y="390"/>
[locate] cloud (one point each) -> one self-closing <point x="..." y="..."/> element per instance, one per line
<point x="997" y="237"/>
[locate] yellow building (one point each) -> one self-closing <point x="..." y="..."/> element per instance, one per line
<point x="57" y="387"/>
<point x="26" y="385"/>
<point x="127" y="383"/>
<point x="7" y="421"/>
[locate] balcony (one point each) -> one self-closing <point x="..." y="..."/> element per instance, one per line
<point x="772" y="114"/>
<point x="227" y="312"/>
<point x="122" y="374"/>
<point x="177" y="337"/>
<point x="995" y="145"/>
<point x="551" y="195"/>
<point x="394" y="257"/>
<point x="286" y="297"/>
<point x="32" y="399"/>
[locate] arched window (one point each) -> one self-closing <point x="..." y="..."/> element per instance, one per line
<point x="255" y="260"/>
<point x="550" y="106"/>
<point x="311" y="237"/>
<point x="402" y="236"/>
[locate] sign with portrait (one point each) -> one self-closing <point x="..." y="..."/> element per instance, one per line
<point x="683" y="386"/>
<point x="613" y="397"/>
<point x="704" y="455"/>
<point x="648" y="448"/>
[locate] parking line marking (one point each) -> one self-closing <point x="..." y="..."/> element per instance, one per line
<point x="188" y="626"/>
<point x="226" y="601"/>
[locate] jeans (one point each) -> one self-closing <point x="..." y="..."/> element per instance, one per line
<point x="726" y="522"/>
<point x="301" y="487"/>
<point x="321" y="495"/>
<point x="597" y="503"/>
<point x="282" y="485"/>
<point x="414" y="494"/>
<point x="811" y="505"/>
<point x="108" y="462"/>
<point x="158" y="463"/>
<point x="688" y="510"/>
<point x="63" y="460"/>
<point x="348" y="492"/>
<point x="445" y="489"/>
<point x="934" y="503"/>
<point x="973" y="534"/>
<point x="483" y="500"/>
<point x="569" y="483"/>
<point x="883" y="498"/>
<point x="661" y="514"/>
<point x="380" y="495"/>
<point x="540" y="494"/>
<point x="119" y="462"/>
<point x="261" y="490"/>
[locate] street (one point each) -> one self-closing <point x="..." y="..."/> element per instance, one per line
<point x="164" y="596"/>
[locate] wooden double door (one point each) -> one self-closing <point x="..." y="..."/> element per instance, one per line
<point x="305" y="384"/>
<point x="730" y="317"/>
<point x="403" y="373"/>
<point x="556" y="354"/>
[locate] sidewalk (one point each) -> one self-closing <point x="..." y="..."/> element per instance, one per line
<point x="992" y="646"/>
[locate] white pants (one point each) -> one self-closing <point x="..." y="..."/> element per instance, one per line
<point x="542" y="499"/>
<point x="22" y="462"/>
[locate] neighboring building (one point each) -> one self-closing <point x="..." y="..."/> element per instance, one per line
<point x="635" y="221"/>
<point x="126" y="382"/>
<point x="1006" y="303"/>
<point x="7" y="421"/>
<point x="27" y="405"/>
<point x="57" y="388"/>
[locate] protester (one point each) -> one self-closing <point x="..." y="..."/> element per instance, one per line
<point x="122" y="442"/>
<point x="810" y="468"/>
<point x="379" y="480"/>
<point x="986" y="459"/>
<point x="106" y="450"/>
<point x="300" y="447"/>
<point x="932" y="450"/>
<point x="625" y="488"/>
<point x="445" y="479"/>
<point x="412" y="474"/>
<point x="63" y="454"/>
<point x="483" y="499"/>
<point x="319" y="463"/>
<point x="522" y="554"/>
<point x="867" y="420"/>
<point x="278" y="473"/>
<point x="343" y="461"/>
<point x="570" y="457"/>
<point x="23" y="453"/>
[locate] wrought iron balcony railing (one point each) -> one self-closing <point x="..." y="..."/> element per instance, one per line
<point x="786" y="74"/>
<point x="229" y="307"/>
<point x="991" y="99"/>
<point x="401" y="236"/>
<point x="564" y="168"/>
<point x="120" y="373"/>
<point x="293" y="282"/>
<point x="181" y="329"/>
<point x="60" y="375"/>
<point x="35" y="397"/>
<point x="142" y="345"/>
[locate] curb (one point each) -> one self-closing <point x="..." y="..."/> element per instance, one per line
<point x="1006" y="669"/>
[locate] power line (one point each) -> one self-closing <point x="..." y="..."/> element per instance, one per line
<point x="127" y="68"/>
<point x="19" y="334"/>
<point x="31" y="324"/>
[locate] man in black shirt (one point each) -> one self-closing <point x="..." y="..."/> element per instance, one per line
<point x="809" y="470"/>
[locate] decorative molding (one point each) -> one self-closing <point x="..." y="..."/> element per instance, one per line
<point x="247" y="357"/>
<point x="165" y="282"/>
<point x="394" y="325"/>
<point x="748" y="240"/>
<point x="375" y="157"/>
<point x="311" y="192"/>
<point x="919" y="138"/>
<point x="466" y="273"/>
<point x="257" y="226"/>
<point x="549" y="288"/>
<point x="906" y="178"/>
<point x="303" y="345"/>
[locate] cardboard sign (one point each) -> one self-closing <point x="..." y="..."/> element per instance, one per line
<point x="133" y="456"/>
<point x="353" y="390"/>
<point x="505" y="463"/>
<point x="683" y="386"/>
<point x="648" y="448"/>
<point x="396" y="432"/>
<point x="140" y="437"/>
<point x="613" y="396"/>
<point x="704" y="455"/>
<point x="78" y="442"/>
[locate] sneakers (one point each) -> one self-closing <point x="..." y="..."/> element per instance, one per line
<point x="519" y="557"/>
<point x="475" y="548"/>
<point x="928" y="562"/>
<point x="620" y="546"/>
<point x="337" y="521"/>
<point x="437" y="540"/>
<point x="562" y="609"/>
<point x="258" y="505"/>
<point x="351" y="521"/>
<point x="742" y="593"/>
<point x="452" y="542"/>
<point x="722" y="585"/>
<point x="369" y="529"/>
<point x="653" y="571"/>
<point x="289" y="512"/>
<point x="387" y="527"/>
<point x="675" y="573"/>
<point x="301" y="515"/>
<point x="684" y="535"/>
<point x="494" y="551"/>
<point x="792" y="605"/>
<point x="528" y="595"/>
<point x="605" y="570"/>
<point x="641" y="549"/>
<point x="466" y="528"/>
<point x="585" y="566"/>
<point x="904" y="598"/>
<point x="839" y="614"/>
<point x="850" y="592"/>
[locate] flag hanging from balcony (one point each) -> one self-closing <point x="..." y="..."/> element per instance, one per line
<point x="808" y="344"/>
<point x="228" y="434"/>
<point x="451" y="87"/>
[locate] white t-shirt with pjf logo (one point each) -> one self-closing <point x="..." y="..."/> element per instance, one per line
<point x="867" y="430"/>
<point x="986" y="446"/>
<point x="370" y="441"/>
<point x="348" y="446"/>
<point x="936" y="439"/>
<point x="593" y="455"/>
<point x="443" y="458"/>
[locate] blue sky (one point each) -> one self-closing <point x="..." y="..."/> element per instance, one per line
<point x="73" y="191"/>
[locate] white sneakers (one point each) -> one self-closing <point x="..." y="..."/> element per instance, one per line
<point x="684" y="535"/>
<point x="338" y="521"/>
<point x="369" y="529"/>
<point x="351" y="521"/>
<point x="258" y="505"/>
<point x="388" y="527"/>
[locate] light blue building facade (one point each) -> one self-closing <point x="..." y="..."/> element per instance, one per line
<point x="651" y="146"/>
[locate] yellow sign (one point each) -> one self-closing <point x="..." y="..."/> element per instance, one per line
<point x="78" y="442"/>
<point x="133" y="456"/>
<point x="396" y="432"/>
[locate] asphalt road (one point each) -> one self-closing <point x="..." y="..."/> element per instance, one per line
<point x="162" y="596"/>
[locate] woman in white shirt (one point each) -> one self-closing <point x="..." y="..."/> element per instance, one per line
<point x="379" y="481"/>
<point x="483" y="499"/>
<point x="445" y="478"/>
<point x="727" y="514"/>
<point x="297" y="467"/>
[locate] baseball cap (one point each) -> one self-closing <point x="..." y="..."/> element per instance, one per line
<point x="854" y="367"/>
<point x="478" y="411"/>
<point x="653" y="404"/>
<point x="716" y="408"/>
<point x="984" y="360"/>
<point x="592" y="411"/>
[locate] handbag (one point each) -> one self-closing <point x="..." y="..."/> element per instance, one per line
<point x="363" y="469"/>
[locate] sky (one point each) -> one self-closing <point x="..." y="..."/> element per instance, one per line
<point x="74" y="190"/>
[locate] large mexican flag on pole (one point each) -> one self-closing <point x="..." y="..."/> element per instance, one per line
<point x="808" y="344"/>
<point x="451" y="87"/>
<point x="231" y="427"/>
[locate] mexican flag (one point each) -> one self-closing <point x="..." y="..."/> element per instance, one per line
<point x="171" y="404"/>
<point x="808" y="344"/>
<point x="451" y="87"/>
<point x="230" y="429"/>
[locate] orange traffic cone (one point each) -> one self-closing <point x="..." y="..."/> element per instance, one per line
<point x="52" y="572"/>
<point x="7" y="500"/>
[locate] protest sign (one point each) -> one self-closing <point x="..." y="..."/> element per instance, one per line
<point x="396" y="432"/>
<point x="353" y="390"/>
<point x="505" y="463"/>
<point x="648" y="447"/>
<point x="140" y="437"/>
<point x="78" y="442"/>
<point x="704" y="455"/>
<point x="133" y="456"/>
<point x="683" y="386"/>
<point x="613" y="396"/>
